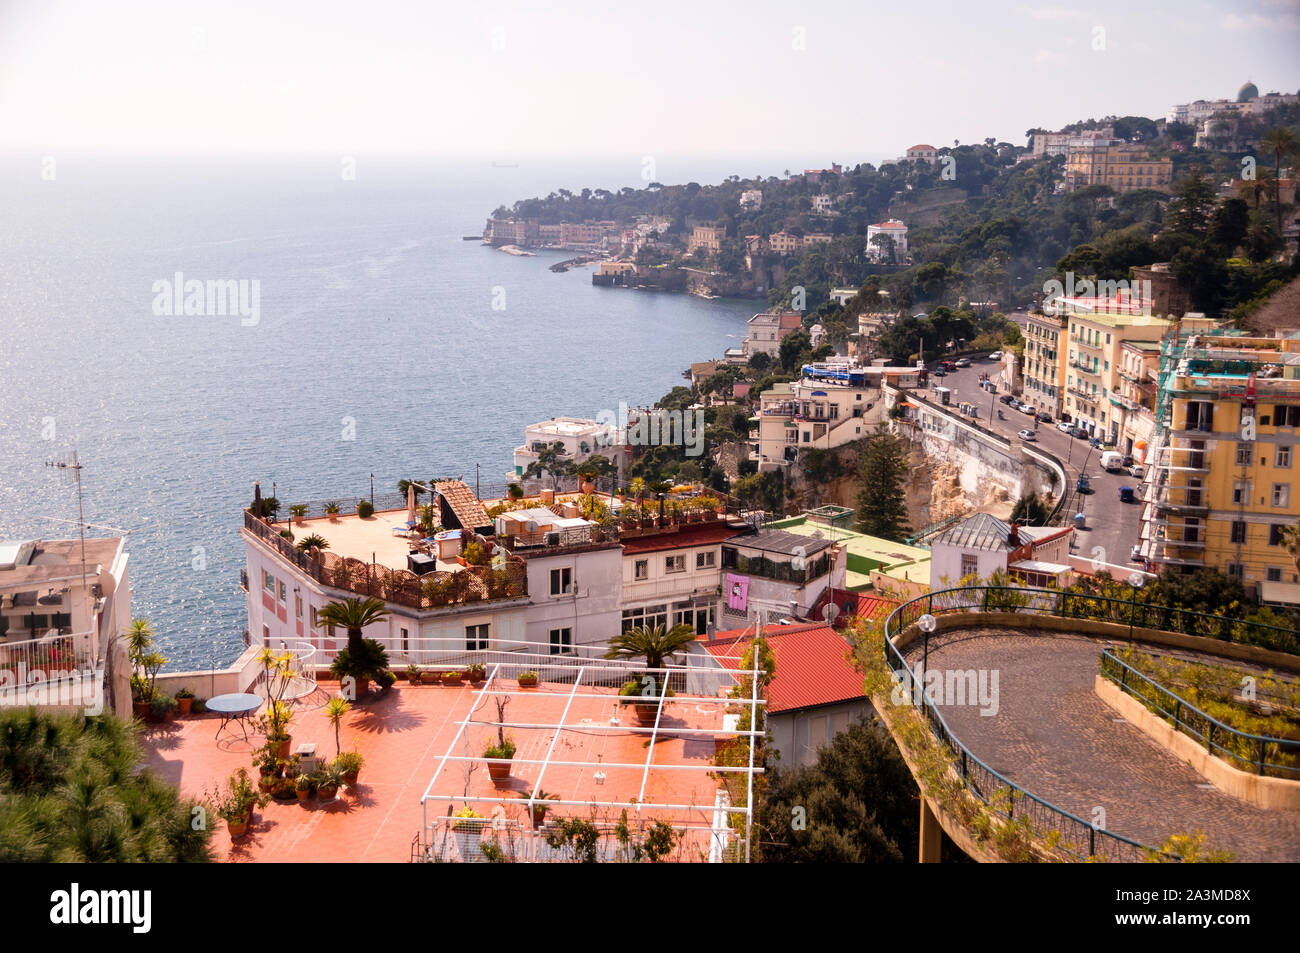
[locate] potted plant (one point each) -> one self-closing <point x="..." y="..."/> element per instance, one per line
<point x="362" y="663"/>
<point x="476" y="672"/>
<point x="431" y="678"/>
<point x="646" y="707"/>
<point x="332" y="511"/>
<point x="328" y="779"/>
<point x="284" y="789"/>
<point x="275" y="724"/>
<point x="467" y="827"/>
<point x="528" y="680"/>
<point x="499" y="754"/>
<point x="299" y="513"/>
<point x="413" y="674"/>
<point x="302" y="785"/>
<point x="162" y="707"/>
<point x="537" y="810"/>
<point x="515" y="491"/>
<point x="185" y="700"/>
<point x="452" y="677"/>
<point x="349" y="765"/>
<point x="365" y="509"/>
<point x="235" y="805"/>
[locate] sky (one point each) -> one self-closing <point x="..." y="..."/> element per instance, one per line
<point x="489" y="78"/>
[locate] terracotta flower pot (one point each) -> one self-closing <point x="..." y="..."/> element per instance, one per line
<point x="430" y="678"/>
<point x="499" y="769"/>
<point x="451" y="678"/>
<point x="539" y="816"/>
<point x="141" y="710"/>
<point x="281" y="749"/>
<point x="237" y="829"/>
<point x="326" y="793"/>
<point x="184" y="705"/>
<point x="527" y="681"/>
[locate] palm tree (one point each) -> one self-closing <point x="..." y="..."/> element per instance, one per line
<point x="314" y="541"/>
<point x="335" y="709"/>
<point x="655" y="645"/>
<point x="1280" y="141"/>
<point x="354" y="615"/>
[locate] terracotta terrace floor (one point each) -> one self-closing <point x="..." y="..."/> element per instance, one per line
<point x="403" y="737"/>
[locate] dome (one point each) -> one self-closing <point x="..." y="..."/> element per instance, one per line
<point x="1247" y="93"/>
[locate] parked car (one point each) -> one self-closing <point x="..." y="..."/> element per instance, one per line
<point x="1094" y="443"/>
<point x="1136" y="554"/>
<point x="1081" y="434"/>
<point x="1026" y="435"/>
<point x="1126" y="494"/>
<point x="1112" y="462"/>
<point x="995" y="356"/>
<point x="1065" y="427"/>
<point x="939" y="372"/>
<point x="1007" y="399"/>
<point x="1025" y="408"/>
<point x="1137" y="471"/>
<point x="1044" y="417"/>
<point x="963" y="362"/>
<point x="1083" y="484"/>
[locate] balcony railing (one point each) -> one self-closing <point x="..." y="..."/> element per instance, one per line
<point x="781" y="571"/>
<point x="433" y="590"/>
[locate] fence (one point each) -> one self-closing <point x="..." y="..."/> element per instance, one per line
<point x="1276" y="757"/>
<point x="46" y="659"/>
<point x="985" y="783"/>
<point x="431" y="591"/>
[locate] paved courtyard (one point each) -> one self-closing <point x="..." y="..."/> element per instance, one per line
<point x="1054" y="737"/>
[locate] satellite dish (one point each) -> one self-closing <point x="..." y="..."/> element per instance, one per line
<point x="830" y="612"/>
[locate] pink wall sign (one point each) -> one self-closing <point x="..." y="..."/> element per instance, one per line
<point x="737" y="592"/>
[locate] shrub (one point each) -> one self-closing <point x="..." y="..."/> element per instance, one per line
<point x="365" y="509"/>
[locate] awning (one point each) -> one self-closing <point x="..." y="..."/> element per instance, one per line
<point x="1034" y="565"/>
<point x="1280" y="593"/>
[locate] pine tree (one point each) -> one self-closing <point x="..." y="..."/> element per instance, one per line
<point x="882" y="510"/>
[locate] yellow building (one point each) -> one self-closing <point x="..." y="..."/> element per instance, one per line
<point x="1044" y="371"/>
<point x="707" y="237"/>
<point x="1219" y="493"/>
<point x="1091" y="353"/>
<point x="1135" y="402"/>
<point x="1120" y="165"/>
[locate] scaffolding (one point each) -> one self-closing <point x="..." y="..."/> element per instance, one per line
<point x="621" y="765"/>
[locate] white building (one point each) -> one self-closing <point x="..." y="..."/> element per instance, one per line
<point x="821" y="204"/>
<point x="580" y="437"/>
<point x="751" y="200"/>
<point x="981" y="545"/>
<point x="893" y="229"/>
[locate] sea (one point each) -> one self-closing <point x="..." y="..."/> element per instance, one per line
<point x="373" y="341"/>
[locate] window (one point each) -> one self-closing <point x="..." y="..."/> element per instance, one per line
<point x="1283" y="457"/>
<point x="476" y="636"/>
<point x="283" y="593"/>
<point x="561" y="581"/>
<point x="645" y="615"/>
<point x="706" y="560"/>
<point x="1275" y="534"/>
<point x="674" y="564"/>
<point x="315" y="623"/>
<point x="1274" y="573"/>
<point x="297" y="605"/>
<point x="1281" y="494"/>
<point x="970" y="565"/>
<point x="561" y="641"/>
<point x="406" y="640"/>
<point x="1238" y="531"/>
<point x="641" y="569"/>
<point x="268" y="582"/>
<point x="1236" y="569"/>
<point x="1243" y="454"/>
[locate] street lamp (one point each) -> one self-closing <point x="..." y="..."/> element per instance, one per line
<point x="927" y="625"/>
<point x="1136" y="580"/>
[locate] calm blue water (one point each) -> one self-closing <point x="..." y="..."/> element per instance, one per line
<point x="372" y="308"/>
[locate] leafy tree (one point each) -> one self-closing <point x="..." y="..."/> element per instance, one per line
<point x="1030" y="510"/>
<point x="858" y="804"/>
<point x="882" y="508"/>
<point x="655" y="645"/>
<point x="1281" y="142"/>
<point x="552" y="459"/>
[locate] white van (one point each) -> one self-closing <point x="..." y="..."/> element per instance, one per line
<point x="1112" y="461"/>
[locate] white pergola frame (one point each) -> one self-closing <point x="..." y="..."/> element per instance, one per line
<point x="492" y="688"/>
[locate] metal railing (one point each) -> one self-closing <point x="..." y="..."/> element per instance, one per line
<point x="53" y="657"/>
<point x="1254" y="752"/>
<point x="983" y="781"/>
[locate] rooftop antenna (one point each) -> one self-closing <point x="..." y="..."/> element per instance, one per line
<point x="74" y="467"/>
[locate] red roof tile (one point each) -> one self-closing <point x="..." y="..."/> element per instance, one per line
<point x="812" y="665"/>
<point x="851" y="604"/>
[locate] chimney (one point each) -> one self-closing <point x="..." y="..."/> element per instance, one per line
<point x="1013" y="537"/>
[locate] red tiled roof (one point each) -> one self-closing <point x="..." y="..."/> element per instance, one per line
<point x="851" y="604"/>
<point x="812" y="665"/>
<point x="691" y="534"/>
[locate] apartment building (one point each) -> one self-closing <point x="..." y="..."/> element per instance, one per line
<point x="1120" y="165"/>
<point x="1135" y="401"/>
<point x="580" y="437"/>
<point x="923" y="152"/>
<point x="1044" y="370"/>
<point x="817" y="238"/>
<point x="1091" y="351"/>
<point x="708" y="238"/>
<point x="675" y="577"/>
<point x="1058" y="143"/>
<point x="1221" y="488"/>
<point x="785" y="243"/>
<point x="751" y="200"/>
<point x="821" y="204"/>
<point x="894" y="230"/>
<point x="768" y="329"/>
<point x="773" y="573"/>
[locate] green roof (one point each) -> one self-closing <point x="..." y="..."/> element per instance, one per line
<point x="865" y="553"/>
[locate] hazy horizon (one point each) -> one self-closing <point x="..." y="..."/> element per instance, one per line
<point x="583" y="80"/>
